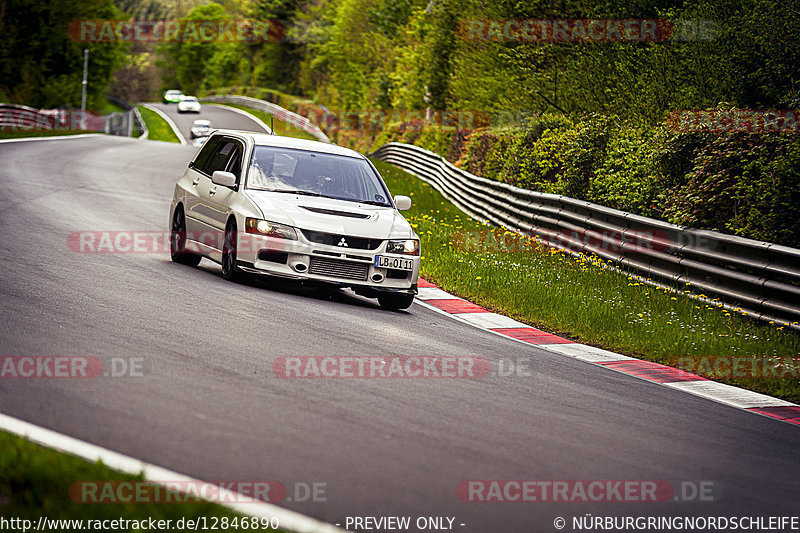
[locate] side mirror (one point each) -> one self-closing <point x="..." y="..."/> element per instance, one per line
<point x="226" y="179"/>
<point x="403" y="203"/>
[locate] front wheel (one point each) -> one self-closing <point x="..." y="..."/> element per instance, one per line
<point x="394" y="301"/>
<point x="229" y="270"/>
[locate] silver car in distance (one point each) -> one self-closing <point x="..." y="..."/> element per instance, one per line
<point x="292" y="208"/>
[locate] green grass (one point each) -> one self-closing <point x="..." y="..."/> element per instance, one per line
<point x="35" y="481"/>
<point x="20" y="134"/>
<point x="584" y="300"/>
<point x="107" y="107"/>
<point x="280" y="127"/>
<point x="157" y="126"/>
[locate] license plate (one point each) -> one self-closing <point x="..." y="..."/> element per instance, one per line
<point x="396" y="263"/>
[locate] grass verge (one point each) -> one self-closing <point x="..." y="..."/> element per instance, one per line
<point x="35" y="481"/>
<point x="583" y="300"/>
<point x="157" y="126"/>
<point x="280" y="127"/>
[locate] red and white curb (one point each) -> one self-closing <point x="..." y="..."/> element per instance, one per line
<point x="435" y="298"/>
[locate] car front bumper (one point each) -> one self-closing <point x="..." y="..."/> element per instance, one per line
<point x="305" y="260"/>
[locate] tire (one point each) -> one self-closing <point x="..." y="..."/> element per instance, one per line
<point x="230" y="271"/>
<point x="177" y="241"/>
<point x="394" y="301"/>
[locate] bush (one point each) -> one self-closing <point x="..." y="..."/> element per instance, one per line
<point x="729" y="182"/>
<point x="737" y="185"/>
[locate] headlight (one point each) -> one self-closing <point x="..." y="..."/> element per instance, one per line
<point x="270" y="229"/>
<point x="403" y="246"/>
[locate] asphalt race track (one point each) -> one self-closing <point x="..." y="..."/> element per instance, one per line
<point x="221" y="117"/>
<point x="209" y="405"/>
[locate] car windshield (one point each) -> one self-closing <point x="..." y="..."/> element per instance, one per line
<point x="189" y="99"/>
<point x="315" y="174"/>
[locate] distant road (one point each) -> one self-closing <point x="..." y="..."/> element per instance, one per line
<point x="220" y="117"/>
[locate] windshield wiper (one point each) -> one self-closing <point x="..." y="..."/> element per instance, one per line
<point x="292" y="191"/>
<point x="375" y="202"/>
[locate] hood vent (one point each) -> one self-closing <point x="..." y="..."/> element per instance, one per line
<point x="335" y="212"/>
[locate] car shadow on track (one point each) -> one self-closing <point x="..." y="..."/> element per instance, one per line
<point x="289" y="286"/>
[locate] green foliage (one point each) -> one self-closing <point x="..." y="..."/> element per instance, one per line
<point x="535" y="157"/>
<point x="729" y="182"/>
<point x="737" y="185"/>
<point x="41" y="65"/>
<point x="186" y="62"/>
<point x="597" y="109"/>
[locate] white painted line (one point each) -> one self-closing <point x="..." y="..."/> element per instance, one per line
<point x="169" y="121"/>
<point x="434" y="293"/>
<point x="586" y="353"/>
<point x="491" y="320"/>
<point x="248" y="115"/>
<point x="53" y="138"/>
<point x="728" y="394"/>
<point x="289" y="520"/>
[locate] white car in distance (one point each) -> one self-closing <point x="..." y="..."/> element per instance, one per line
<point x="189" y="104"/>
<point x="298" y="209"/>
<point x="201" y="128"/>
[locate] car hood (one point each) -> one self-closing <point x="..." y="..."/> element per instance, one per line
<point x="332" y="216"/>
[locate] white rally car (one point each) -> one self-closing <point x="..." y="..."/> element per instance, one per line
<point x="189" y="104"/>
<point x="266" y="204"/>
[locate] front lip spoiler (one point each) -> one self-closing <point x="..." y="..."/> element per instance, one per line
<point x="251" y="269"/>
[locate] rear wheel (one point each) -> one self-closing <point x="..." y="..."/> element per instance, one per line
<point x="394" y="301"/>
<point x="229" y="270"/>
<point x="177" y="241"/>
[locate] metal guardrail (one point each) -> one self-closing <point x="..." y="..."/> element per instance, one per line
<point x="140" y="123"/>
<point x="298" y="121"/>
<point x="116" y="124"/>
<point x="760" y="278"/>
<point x="21" y="116"/>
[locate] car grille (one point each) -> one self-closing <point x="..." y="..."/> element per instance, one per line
<point x="335" y="268"/>
<point x="332" y="239"/>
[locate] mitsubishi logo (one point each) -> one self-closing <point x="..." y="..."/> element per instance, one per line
<point x="342" y="243"/>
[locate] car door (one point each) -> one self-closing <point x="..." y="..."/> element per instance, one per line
<point x="198" y="179"/>
<point x="215" y="200"/>
<point x="220" y="198"/>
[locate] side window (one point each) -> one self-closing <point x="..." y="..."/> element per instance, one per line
<point x="222" y="156"/>
<point x="235" y="162"/>
<point x="202" y="159"/>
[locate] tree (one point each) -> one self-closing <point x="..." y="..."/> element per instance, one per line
<point x="41" y="65"/>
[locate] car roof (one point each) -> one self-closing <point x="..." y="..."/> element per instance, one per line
<point x="202" y="122"/>
<point x="279" y="141"/>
